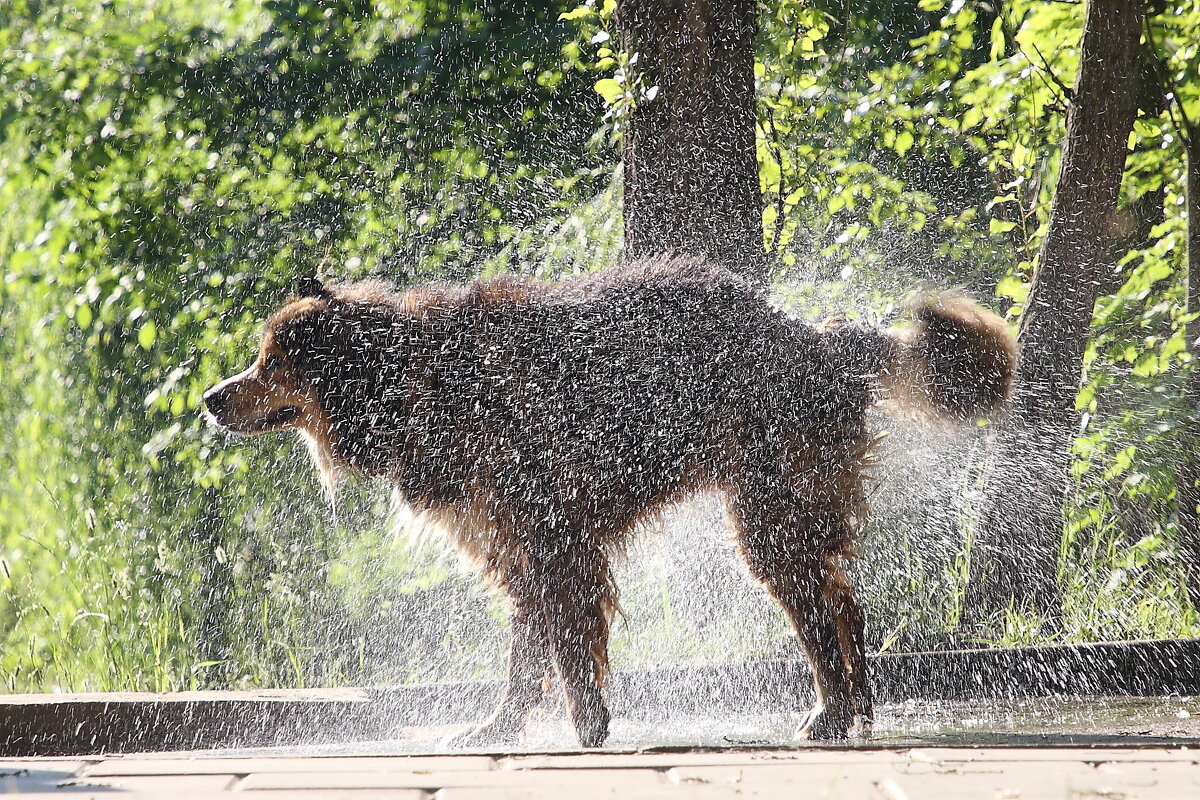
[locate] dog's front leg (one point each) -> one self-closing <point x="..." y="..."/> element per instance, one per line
<point x="528" y="664"/>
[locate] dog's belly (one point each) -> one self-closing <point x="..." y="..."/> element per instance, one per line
<point x="470" y="528"/>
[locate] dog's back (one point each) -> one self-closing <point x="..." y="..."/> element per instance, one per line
<point x="613" y="395"/>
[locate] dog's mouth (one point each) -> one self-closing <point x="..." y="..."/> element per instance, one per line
<point x="282" y="417"/>
<point x="272" y="422"/>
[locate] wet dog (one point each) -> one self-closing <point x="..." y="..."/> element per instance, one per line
<point x="539" y="423"/>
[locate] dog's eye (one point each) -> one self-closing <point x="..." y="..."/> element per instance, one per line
<point x="274" y="361"/>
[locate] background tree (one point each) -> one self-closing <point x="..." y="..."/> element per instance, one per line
<point x="688" y="147"/>
<point x="1179" y="84"/>
<point x="1019" y="531"/>
<point x="932" y="154"/>
<point x="1188" y="489"/>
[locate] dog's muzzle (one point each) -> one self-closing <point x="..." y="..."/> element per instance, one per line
<point x="216" y="400"/>
<point x="224" y="408"/>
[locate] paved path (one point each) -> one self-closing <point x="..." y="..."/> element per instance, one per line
<point x="888" y="774"/>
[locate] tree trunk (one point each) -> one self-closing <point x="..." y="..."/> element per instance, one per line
<point x="690" y="166"/>
<point x="1187" y="481"/>
<point x="1018" y="535"/>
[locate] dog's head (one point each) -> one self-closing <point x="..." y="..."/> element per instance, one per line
<point x="277" y="392"/>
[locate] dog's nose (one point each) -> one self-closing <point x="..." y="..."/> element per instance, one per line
<point x="216" y="399"/>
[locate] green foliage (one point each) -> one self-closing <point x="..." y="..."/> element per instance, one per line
<point x="168" y="168"/>
<point x="921" y="141"/>
<point x="854" y="144"/>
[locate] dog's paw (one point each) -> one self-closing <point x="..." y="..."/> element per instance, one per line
<point x="593" y="730"/>
<point x="492" y="733"/>
<point x="866" y="727"/>
<point x="822" y="723"/>
<point x="589" y="715"/>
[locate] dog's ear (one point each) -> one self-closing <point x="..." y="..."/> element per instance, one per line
<point x="311" y="287"/>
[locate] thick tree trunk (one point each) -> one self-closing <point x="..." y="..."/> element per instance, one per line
<point x="1018" y="534"/>
<point x="1187" y="481"/>
<point x="691" y="171"/>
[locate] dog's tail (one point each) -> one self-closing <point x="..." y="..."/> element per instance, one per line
<point x="953" y="360"/>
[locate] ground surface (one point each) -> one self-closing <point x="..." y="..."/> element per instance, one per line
<point x="891" y="774"/>
<point x="1095" y="748"/>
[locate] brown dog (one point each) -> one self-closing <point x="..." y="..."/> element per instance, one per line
<point x="540" y="423"/>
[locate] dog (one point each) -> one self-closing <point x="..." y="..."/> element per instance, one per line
<point x="539" y="423"/>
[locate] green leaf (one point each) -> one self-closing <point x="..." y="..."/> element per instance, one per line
<point x="998" y="44"/>
<point x="1013" y="287"/>
<point x="578" y="12"/>
<point x="996" y="226"/>
<point x="147" y="335"/>
<point x="610" y="90"/>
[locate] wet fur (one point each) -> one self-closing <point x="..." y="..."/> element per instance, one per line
<point x="538" y="424"/>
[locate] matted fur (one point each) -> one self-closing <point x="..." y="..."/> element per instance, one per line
<point x="539" y="423"/>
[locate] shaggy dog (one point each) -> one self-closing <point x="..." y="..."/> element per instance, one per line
<point x="538" y="424"/>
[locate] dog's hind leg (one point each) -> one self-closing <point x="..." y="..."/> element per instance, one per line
<point x="851" y="636"/>
<point x="578" y="597"/>
<point x="789" y="543"/>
